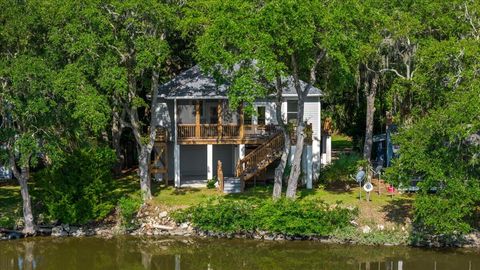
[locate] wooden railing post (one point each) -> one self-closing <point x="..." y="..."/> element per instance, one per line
<point x="197" y="119"/>
<point x="241" y="120"/>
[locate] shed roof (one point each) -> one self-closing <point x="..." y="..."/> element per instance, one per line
<point x="195" y="84"/>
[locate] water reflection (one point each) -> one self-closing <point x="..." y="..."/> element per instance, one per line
<point x="23" y="256"/>
<point x="185" y="254"/>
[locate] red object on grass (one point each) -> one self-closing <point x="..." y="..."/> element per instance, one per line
<point x="390" y="189"/>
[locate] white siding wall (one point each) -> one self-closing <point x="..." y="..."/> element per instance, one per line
<point x="163" y="115"/>
<point x="270" y="114"/>
<point x="312" y="114"/>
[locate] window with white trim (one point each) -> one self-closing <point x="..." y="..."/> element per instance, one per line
<point x="292" y="111"/>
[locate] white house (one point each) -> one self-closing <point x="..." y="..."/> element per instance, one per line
<point x="201" y="129"/>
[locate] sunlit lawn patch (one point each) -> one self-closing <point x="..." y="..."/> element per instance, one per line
<point x="340" y="141"/>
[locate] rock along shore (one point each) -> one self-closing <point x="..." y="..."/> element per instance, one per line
<point x="152" y="221"/>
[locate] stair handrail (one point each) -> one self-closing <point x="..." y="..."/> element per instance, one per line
<point x="277" y="140"/>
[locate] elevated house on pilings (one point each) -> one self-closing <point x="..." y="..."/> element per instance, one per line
<point x="197" y="128"/>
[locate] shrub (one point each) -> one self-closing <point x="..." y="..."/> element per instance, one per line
<point x="310" y="217"/>
<point x="375" y="237"/>
<point x="283" y="216"/>
<point x="211" y="183"/>
<point x="341" y="168"/>
<point x="450" y="211"/>
<point x="219" y="216"/>
<point x="441" y="150"/>
<point x="78" y="190"/>
<point x="128" y="209"/>
<point x="6" y="222"/>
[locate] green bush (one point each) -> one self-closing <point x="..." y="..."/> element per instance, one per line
<point x="129" y="207"/>
<point x="78" y="190"/>
<point x="310" y="217"/>
<point x="282" y="216"/>
<point x="211" y="183"/>
<point x="440" y="149"/>
<point x="341" y="168"/>
<point x="375" y="237"/>
<point x="6" y="222"/>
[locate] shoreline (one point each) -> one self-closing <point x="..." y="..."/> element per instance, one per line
<point x="161" y="224"/>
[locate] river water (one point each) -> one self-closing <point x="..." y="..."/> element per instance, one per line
<point x="92" y="253"/>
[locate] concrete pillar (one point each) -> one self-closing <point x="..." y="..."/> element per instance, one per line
<point x="309" y="167"/>
<point x="323" y="159"/>
<point x="241" y="151"/>
<point x="240" y="154"/>
<point x="176" y="157"/>
<point x="316" y="157"/>
<point x="329" y="148"/>
<point x="209" y="161"/>
<point x="176" y="148"/>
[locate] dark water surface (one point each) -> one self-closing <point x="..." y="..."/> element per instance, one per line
<point x="175" y="254"/>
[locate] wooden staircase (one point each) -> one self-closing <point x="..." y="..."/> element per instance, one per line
<point x="257" y="161"/>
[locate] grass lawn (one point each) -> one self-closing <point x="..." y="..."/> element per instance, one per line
<point x="11" y="201"/>
<point x="381" y="209"/>
<point x="340" y="142"/>
<point x="10" y="204"/>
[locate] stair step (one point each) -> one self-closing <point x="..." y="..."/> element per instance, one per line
<point x="232" y="181"/>
<point x="232" y="185"/>
<point x="269" y="151"/>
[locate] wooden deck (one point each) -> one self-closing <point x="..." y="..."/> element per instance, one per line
<point x="224" y="133"/>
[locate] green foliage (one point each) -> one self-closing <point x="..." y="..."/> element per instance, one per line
<point x="78" y="190"/>
<point x="6" y="222"/>
<point x="441" y="150"/>
<point x="129" y="207"/>
<point x="255" y="42"/>
<point x="211" y="183"/>
<point x="340" y="169"/>
<point x="308" y="217"/>
<point x="375" y="237"/>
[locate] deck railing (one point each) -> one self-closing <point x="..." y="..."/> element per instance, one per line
<point x="231" y="131"/>
<point x="210" y="131"/>
<point x="261" y="157"/>
<point x="186" y="130"/>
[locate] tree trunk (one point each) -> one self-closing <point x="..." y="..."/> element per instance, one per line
<point x="22" y="178"/>
<point x="371" y="93"/>
<point x="144" y="173"/>
<point x="277" y="187"/>
<point x="144" y="143"/>
<point x="116" y="136"/>
<point x="297" y="158"/>
<point x="279" y="170"/>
